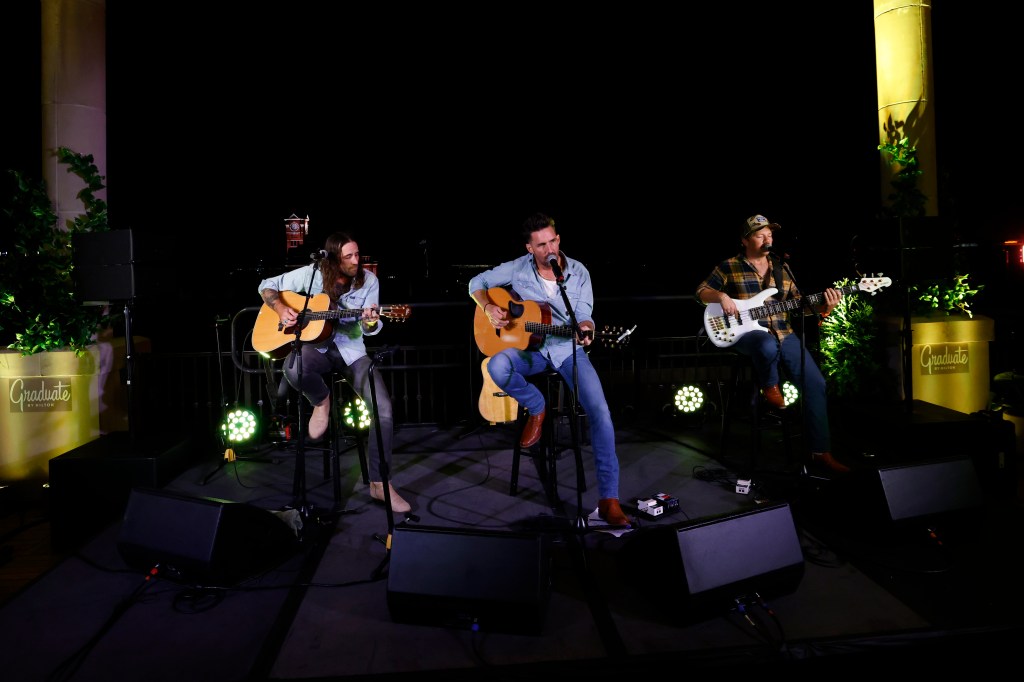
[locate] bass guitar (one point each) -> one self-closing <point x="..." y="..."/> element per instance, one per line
<point x="725" y="330"/>
<point x="271" y="338"/>
<point x="530" y="322"/>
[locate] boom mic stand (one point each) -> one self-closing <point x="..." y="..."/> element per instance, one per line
<point x="578" y="553"/>
<point x="385" y="474"/>
<point x="581" y="518"/>
<point x="299" y="485"/>
<point x="804" y="303"/>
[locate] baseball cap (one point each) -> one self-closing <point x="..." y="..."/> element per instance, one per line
<point x="755" y="223"/>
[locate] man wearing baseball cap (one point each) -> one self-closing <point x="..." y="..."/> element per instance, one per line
<point x="770" y="341"/>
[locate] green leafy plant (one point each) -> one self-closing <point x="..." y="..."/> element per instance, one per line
<point x="851" y="355"/>
<point x="38" y="307"/>
<point x="906" y="200"/>
<point x="947" y="296"/>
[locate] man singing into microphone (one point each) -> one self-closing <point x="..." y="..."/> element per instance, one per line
<point x="743" y="277"/>
<point x="338" y="271"/>
<point x="537" y="276"/>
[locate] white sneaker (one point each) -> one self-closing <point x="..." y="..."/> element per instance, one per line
<point x="398" y="505"/>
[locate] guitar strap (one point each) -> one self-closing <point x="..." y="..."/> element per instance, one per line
<point x="777" y="272"/>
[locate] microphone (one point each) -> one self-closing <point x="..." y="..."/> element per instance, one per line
<point x="555" y="268"/>
<point x="317" y="255"/>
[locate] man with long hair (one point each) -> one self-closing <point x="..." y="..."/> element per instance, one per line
<point x="340" y="274"/>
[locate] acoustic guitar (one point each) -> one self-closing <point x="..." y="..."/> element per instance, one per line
<point x="496" y="406"/>
<point x="530" y="322"/>
<point x="271" y="338"/>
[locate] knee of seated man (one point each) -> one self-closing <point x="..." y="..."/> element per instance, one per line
<point x="499" y="368"/>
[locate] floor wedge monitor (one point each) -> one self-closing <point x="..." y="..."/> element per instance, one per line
<point x="481" y="580"/>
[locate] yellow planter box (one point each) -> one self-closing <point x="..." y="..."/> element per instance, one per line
<point x="949" y="361"/>
<point x="51" y="406"/>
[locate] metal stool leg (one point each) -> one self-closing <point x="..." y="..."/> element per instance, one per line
<point x="340" y="381"/>
<point x="513" y="487"/>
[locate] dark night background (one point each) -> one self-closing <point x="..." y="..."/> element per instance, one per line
<point x="432" y="132"/>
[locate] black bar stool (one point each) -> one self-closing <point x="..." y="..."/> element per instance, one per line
<point x="337" y="434"/>
<point x="342" y="393"/>
<point x="745" y="399"/>
<point x="558" y="409"/>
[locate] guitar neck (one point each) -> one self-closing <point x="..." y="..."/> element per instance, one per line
<point x="332" y="314"/>
<point x="773" y="307"/>
<point x="548" y="329"/>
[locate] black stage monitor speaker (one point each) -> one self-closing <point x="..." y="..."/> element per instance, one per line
<point x="201" y="540"/>
<point x="919" y="490"/>
<point x="104" y="265"/>
<point x="707" y="564"/>
<point x="486" y="580"/>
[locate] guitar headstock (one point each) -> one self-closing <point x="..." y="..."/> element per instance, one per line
<point x="396" y="312"/>
<point x="614" y="337"/>
<point x="873" y="284"/>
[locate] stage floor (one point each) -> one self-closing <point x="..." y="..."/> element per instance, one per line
<point x="805" y="570"/>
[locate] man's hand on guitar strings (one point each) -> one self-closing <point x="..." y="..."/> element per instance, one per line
<point x="497" y="315"/>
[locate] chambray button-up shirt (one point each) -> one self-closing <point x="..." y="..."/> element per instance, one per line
<point x="522" y="277"/>
<point x="348" y="334"/>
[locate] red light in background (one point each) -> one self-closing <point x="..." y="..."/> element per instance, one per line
<point x="1014" y="252"/>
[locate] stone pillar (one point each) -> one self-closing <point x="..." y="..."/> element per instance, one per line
<point x="903" y="72"/>
<point x="74" y="96"/>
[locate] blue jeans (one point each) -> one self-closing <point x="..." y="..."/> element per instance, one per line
<point x="767" y="353"/>
<point x="315" y="365"/>
<point x="509" y="369"/>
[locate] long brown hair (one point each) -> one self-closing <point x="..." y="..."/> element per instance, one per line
<point x="335" y="283"/>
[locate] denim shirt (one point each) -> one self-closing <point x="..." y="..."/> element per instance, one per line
<point x="348" y="333"/>
<point x="522" y="277"/>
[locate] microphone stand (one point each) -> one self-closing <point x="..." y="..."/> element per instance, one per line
<point x="581" y="518"/>
<point x="385" y="475"/>
<point x="299" y="484"/>
<point x="578" y="553"/>
<point x="804" y="302"/>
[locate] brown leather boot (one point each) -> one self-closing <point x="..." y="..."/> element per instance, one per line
<point x="610" y="511"/>
<point x="773" y="396"/>
<point x="532" y="430"/>
<point x="827" y="460"/>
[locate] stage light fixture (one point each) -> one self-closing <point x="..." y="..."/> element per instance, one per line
<point x="790" y="392"/>
<point x="689" y="399"/>
<point x="239" y="426"/>
<point x="356" y="415"/>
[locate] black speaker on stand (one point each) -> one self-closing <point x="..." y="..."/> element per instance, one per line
<point x="90" y="485"/>
<point x="104" y="273"/>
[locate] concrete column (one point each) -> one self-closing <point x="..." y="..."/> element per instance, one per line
<point x="903" y="68"/>
<point x="74" y="95"/>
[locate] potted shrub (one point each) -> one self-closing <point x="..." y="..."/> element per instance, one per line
<point x="38" y="308"/>
<point x="944" y="346"/>
<point x="49" y="365"/>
